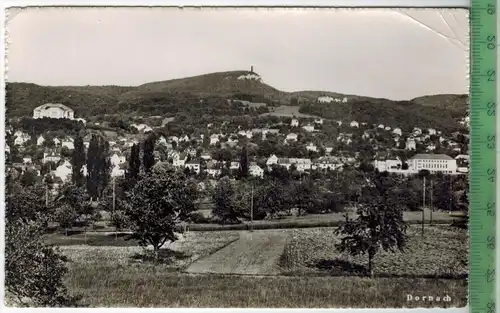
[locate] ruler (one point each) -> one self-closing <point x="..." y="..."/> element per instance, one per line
<point x="484" y="181"/>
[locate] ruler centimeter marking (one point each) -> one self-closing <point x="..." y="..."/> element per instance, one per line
<point x="484" y="110"/>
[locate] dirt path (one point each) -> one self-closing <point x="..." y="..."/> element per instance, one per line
<point x="254" y="253"/>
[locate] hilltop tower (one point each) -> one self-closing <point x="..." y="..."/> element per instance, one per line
<point x="251" y="69"/>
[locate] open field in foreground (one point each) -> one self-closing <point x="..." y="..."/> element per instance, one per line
<point x="441" y="253"/>
<point x="254" y="253"/>
<point x="145" y="285"/>
<point x="110" y="277"/>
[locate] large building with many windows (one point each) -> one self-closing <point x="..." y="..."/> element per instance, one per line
<point x="53" y="110"/>
<point x="434" y="163"/>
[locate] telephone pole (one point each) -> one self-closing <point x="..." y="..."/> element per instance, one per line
<point x="423" y="207"/>
<point x="114" y="200"/>
<point x="251" y="211"/>
<point x="432" y="204"/>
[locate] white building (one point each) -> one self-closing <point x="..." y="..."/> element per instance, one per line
<point x="417" y="131"/>
<point x="117" y="171"/>
<point x="53" y="110"/>
<point x="291" y="137"/>
<point x="40" y="140"/>
<point x="193" y="166"/>
<point x="81" y="120"/>
<point x="273" y="159"/>
<point x="327" y="163"/>
<point x="56" y="141"/>
<point x="300" y="163"/>
<point x="21" y="138"/>
<point x="27" y="160"/>
<point x="117" y="159"/>
<point x="234" y="166"/>
<point x="325" y="99"/>
<point x="294" y="123"/>
<point x="397" y="131"/>
<point x="411" y="144"/>
<point x="308" y="128"/>
<point x="256" y="171"/>
<point x="51" y="157"/>
<point x="214" y="139"/>
<point x="381" y="126"/>
<point x="179" y="159"/>
<point x="63" y="171"/>
<point x="432" y="131"/>
<point x="319" y="121"/>
<point x="353" y="124"/>
<point x="312" y="147"/>
<point x="433" y="163"/>
<point x="388" y="165"/>
<point x="68" y="144"/>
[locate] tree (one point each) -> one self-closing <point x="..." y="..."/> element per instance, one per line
<point x="226" y="207"/>
<point x="148" y="158"/>
<point x="78" y="159"/>
<point x="379" y="225"/>
<point x="270" y="199"/>
<point x="92" y="166"/>
<point x="34" y="271"/>
<point x="243" y="171"/>
<point x="157" y="204"/>
<point x="134" y="165"/>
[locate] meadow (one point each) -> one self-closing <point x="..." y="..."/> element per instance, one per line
<point x="121" y="276"/>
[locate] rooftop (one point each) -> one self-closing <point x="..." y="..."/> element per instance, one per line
<point x="424" y="156"/>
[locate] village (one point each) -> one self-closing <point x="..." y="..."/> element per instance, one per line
<point x="198" y="154"/>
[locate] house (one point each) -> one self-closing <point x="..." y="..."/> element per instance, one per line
<point x="340" y="123"/>
<point x="184" y="138"/>
<point x="344" y="100"/>
<point x="179" y="159"/>
<point x="312" y="147"/>
<point x="387" y="128"/>
<point x="234" y="166"/>
<point x="21" y="138"/>
<point x="87" y="144"/>
<point x="431" y="131"/>
<point x="53" y="110"/>
<point x="417" y="131"/>
<point x="214" y="170"/>
<point x="291" y="137"/>
<point x="353" y="124"/>
<point x="56" y="141"/>
<point x="328" y="150"/>
<point x="40" y="140"/>
<point x="381" y="126"/>
<point x="117" y="159"/>
<point x="161" y="141"/>
<point x="173" y="139"/>
<point x="294" y="123"/>
<point x="63" y="171"/>
<point x="246" y="133"/>
<point x="193" y="166"/>
<point x="117" y="171"/>
<point x="206" y="157"/>
<point x="411" y="144"/>
<point x="434" y="163"/>
<point x="214" y="139"/>
<point x="397" y="131"/>
<point x="431" y="147"/>
<point x="319" y="121"/>
<point x="82" y="120"/>
<point x="27" y="160"/>
<point x="327" y="163"/>
<point x="325" y="99"/>
<point x="51" y="157"/>
<point x="273" y="159"/>
<point x="388" y="165"/>
<point x="301" y="164"/>
<point x="308" y="128"/>
<point x="68" y="143"/>
<point x="255" y="170"/>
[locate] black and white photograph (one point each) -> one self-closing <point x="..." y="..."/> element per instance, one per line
<point x="162" y="157"/>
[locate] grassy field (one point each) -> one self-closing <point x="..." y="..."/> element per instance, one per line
<point x="287" y="111"/>
<point x="254" y="253"/>
<point x="122" y="277"/>
<point x="441" y="253"/>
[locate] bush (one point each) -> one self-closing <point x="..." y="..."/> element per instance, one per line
<point x="198" y="218"/>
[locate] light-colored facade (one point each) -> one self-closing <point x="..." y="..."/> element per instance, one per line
<point x="53" y="110"/>
<point x="193" y="166"/>
<point x="434" y="163"/>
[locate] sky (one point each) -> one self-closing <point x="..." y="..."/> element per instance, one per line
<point x="398" y="54"/>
